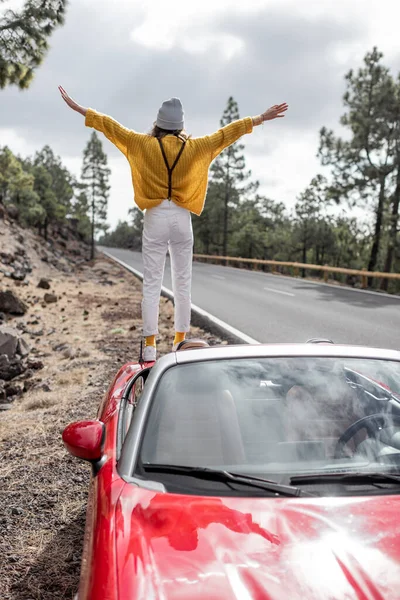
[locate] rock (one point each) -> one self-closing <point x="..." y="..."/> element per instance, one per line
<point x="28" y="373"/>
<point x="23" y="348"/>
<point x="5" y="406"/>
<point x="7" y="258"/>
<point x="69" y="352"/>
<point x="28" y="385"/>
<point x="13" y="349"/>
<point x="13" y="389"/>
<point x="11" y="304"/>
<point x="16" y="510"/>
<point x="18" y="275"/>
<point x="2" y="317"/>
<point x="44" y="284"/>
<point x="45" y="387"/>
<point x="37" y="333"/>
<point x="50" y="298"/>
<point x="106" y="282"/>
<point x="3" y="394"/>
<point x="9" y="338"/>
<point x="12" y="211"/>
<point x="10" y="368"/>
<point x="34" y="364"/>
<point x="85" y="313"/>
<point x="60" y="347"/>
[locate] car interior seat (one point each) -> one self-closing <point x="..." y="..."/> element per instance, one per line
<point x="198" y="423"/>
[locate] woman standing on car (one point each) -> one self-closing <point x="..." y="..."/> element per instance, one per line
<point x="169" y="176"/>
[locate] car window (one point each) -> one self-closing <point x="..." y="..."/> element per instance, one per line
<point x="129" y="404"/>
<point x="276" y="416"/>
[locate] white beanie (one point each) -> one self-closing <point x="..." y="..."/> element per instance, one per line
<point x="170" y="116"/>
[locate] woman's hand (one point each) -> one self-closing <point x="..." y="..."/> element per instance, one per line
<point x="275" y="112"/>
<point x="71" y="103"/>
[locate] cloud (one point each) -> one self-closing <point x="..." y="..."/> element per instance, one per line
<point x="126" y="59"/>
<point x="259" y="58"/>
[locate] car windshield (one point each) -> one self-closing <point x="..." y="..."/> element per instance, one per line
<point x="277" y="418"/>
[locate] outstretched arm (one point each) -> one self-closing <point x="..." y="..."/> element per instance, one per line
<point x="229" y="134"/>
<point x="114" y="131"/>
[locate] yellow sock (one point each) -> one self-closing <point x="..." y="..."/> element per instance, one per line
<point x="150" y="340"/>
<point x="179" y="337"/>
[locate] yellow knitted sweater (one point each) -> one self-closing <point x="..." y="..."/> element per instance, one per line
<point x="149" y="173"/>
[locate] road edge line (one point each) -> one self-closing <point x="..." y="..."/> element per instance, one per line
<point x="200" y="317"/>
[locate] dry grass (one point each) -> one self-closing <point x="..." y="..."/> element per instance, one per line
<point x="43" y="490"/>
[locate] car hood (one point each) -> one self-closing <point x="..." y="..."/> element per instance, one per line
<point x="175" y="547"/>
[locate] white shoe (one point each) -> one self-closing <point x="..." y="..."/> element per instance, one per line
<point x="149" y="354"/>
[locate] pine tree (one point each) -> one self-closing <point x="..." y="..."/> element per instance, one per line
<point x="228" y="174"/>
<point x="62" y="180"/>
<point x="395" y="197"/>
<point x="95" y="174"/>
<point x="308" y="215"/>
<point x="137" y="221"/>
<point x="80" y="213"/>
<point x="17" y="188"/>
<point x="53" y="210"/>
<point x="23" y="39"/>
<point x="362" y="166"/>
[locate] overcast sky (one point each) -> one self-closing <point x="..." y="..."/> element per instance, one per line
<point x="124" y="57"/>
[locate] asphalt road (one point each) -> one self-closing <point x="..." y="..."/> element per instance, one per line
<point x="272" y="308"/>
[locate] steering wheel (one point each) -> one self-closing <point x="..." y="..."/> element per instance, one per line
<point x="372" y="423"/>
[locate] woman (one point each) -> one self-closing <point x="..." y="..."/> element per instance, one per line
<point x="169" y="176"/>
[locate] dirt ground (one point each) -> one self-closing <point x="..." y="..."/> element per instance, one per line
<point x="82" y="339"/>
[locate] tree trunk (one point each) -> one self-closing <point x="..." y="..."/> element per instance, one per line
<point x="394" y="218"/>
<point x="45" y="226"/>
<point x="304" y="253"/>
<point x="225" y="238"/>
<point x="92" y="236"/>
<point x="378" y="226"/>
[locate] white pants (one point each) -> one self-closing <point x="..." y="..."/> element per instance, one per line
<point x="167" y="226"/>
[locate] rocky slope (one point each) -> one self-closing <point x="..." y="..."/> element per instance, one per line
<point x="67" y="326"/>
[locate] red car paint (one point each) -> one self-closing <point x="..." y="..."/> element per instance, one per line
<point x="147" y="545"/>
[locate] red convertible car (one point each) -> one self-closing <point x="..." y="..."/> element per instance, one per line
<point x="255" y="472"/>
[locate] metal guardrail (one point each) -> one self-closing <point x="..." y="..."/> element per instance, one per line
<point x="296" y="266"/>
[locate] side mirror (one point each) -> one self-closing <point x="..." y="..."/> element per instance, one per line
<point x="84" y="439"/>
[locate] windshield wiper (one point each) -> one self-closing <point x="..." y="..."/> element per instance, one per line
<point x="228" y="478"/>
<point x="359" y="477"/>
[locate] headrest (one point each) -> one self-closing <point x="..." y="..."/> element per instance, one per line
<point x="191" y="344"/>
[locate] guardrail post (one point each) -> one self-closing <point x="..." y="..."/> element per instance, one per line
<point x="364" y="281"/>
<point x="326" y="274"/>
<point x="296" y="271"/>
